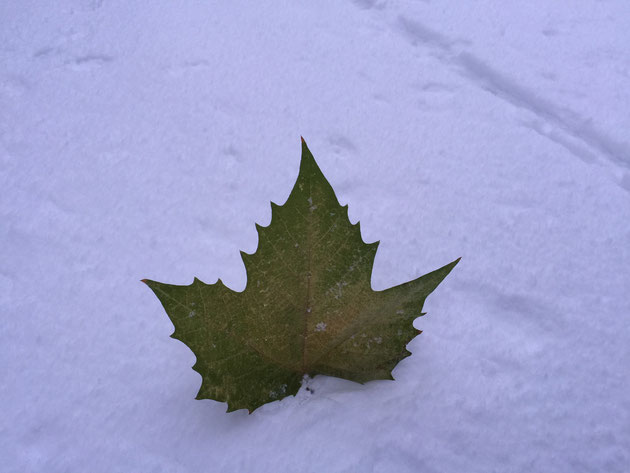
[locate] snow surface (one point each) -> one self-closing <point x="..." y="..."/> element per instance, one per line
<point x="144" y="139"/>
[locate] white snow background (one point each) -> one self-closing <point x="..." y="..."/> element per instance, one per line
<point x="144" y="139"/>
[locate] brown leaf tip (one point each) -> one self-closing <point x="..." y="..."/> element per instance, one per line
<point x="302" y="138"/>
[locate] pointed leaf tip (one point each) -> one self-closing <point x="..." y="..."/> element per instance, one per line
<point x="302" y="138"/>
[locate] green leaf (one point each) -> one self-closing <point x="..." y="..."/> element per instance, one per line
<point x="308" y="307"/>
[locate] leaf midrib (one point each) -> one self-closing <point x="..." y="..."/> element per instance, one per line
<point x="307" y="305"/>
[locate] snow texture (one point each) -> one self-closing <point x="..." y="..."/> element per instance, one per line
<point x="144" y="139"/>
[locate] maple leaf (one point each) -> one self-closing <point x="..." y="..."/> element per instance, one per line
<point x="307" y="309"/>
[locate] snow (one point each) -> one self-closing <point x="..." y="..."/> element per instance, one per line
<point x="143" y="140"/>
